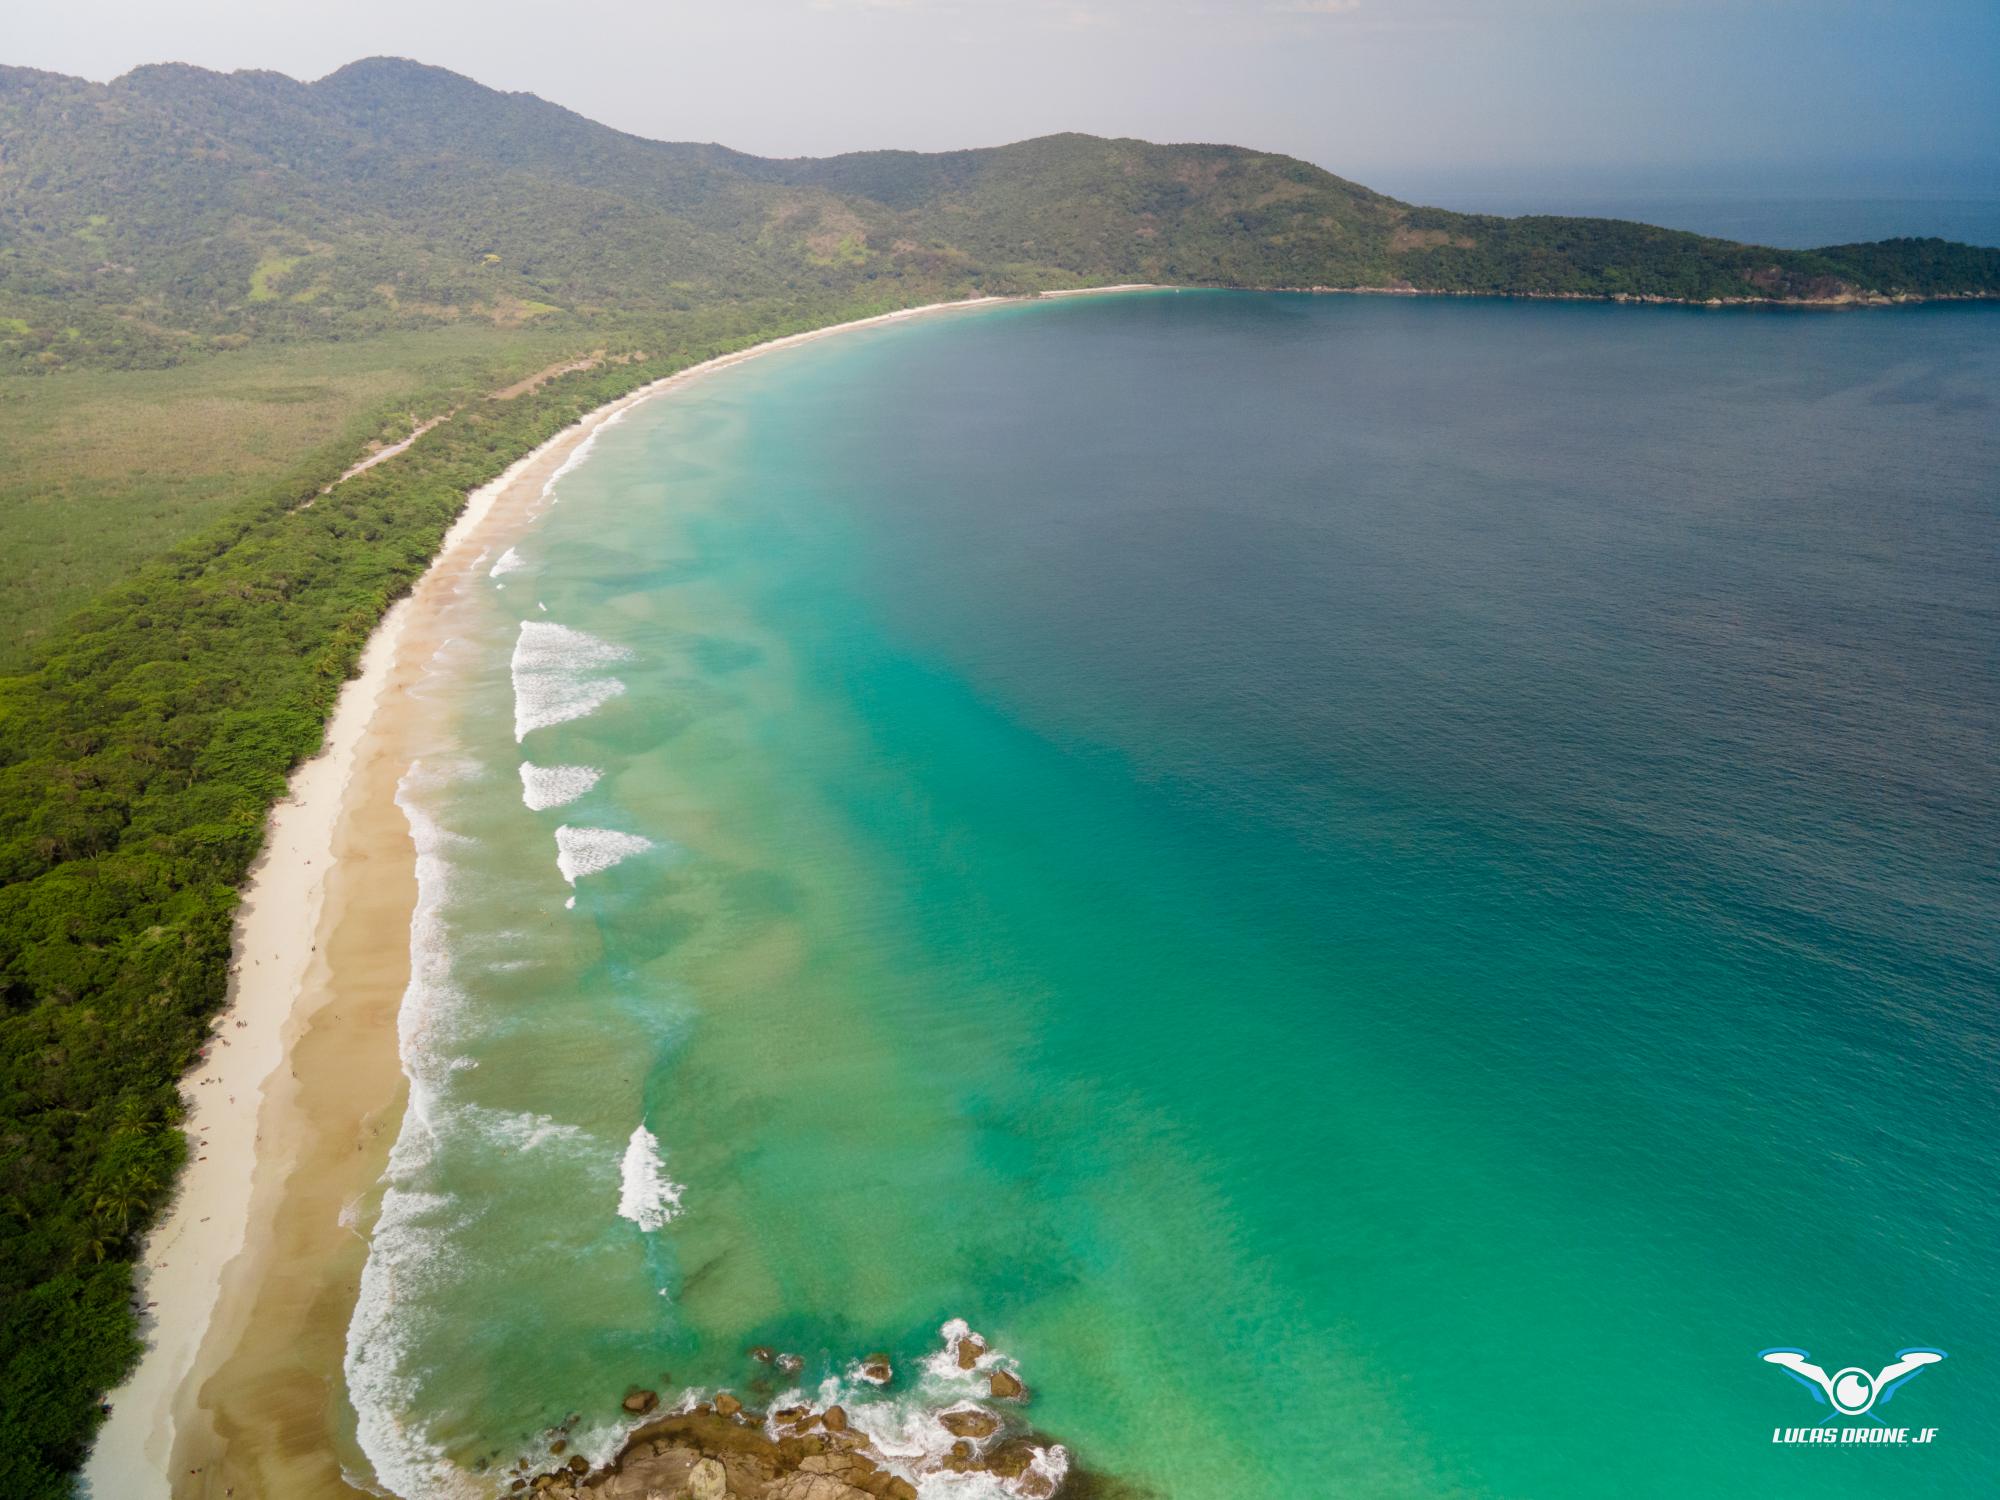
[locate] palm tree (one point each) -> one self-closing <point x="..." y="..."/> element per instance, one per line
<point x="119" y="1200"/>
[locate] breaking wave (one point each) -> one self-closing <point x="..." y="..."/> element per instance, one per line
<point x="646" y="1195"/>
<point x="411" y="1248"/>
<point x="524" y="1131"/>
<point x="585" y="851"/>
<point x="581" y="452"/>
<point x="544" y="787"/>
<point x="554" y="671"/>
<point x="906" y="1431"/>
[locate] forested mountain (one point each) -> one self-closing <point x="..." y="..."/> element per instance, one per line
<point x="177" y="209"/>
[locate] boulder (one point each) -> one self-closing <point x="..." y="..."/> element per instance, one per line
<point x="877" y="1370"/>
<point x="727" y="1405"/>
<point x="813" y="1487"/>
<point x="641" y="1402"/>
<point x="1011" y="1458"/>
<point x="790" y="1364"/>
<point x="835" y="1419"/>
<point x="763" y="1353"/>
<point x="851" y="1468"/>
<point x="559" y="1446"/>
<point x="1005" y="1386"/>
<point x="969" y="1349"/>
<point x="578" y="1464"/>
<point x="708" y="1481"/>
<point x="660" y="1473"/>
<point x="969" y="1422"/>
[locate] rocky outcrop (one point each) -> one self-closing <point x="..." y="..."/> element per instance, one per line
<point x="720" y="1449"/>
<point x="969" y="1422"/>
<point x="708" y="1456"/>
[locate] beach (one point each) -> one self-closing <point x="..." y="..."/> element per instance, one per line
<point x="1042" y="900"/>
<point x="248" y="1280"/>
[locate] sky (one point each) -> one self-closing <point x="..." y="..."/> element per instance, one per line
<point x="1384" y="91"/>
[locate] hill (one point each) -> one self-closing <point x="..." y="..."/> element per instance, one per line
<point x="176" y="210"/>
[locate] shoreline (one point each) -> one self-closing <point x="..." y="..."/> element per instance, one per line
<point x="252" y="1123"/>
<point x="1638" y="299"/>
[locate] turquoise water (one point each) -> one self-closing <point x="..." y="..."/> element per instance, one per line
<point x="1380" y="893"/>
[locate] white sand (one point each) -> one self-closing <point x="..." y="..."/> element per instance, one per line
<point x="180" y="1271"/>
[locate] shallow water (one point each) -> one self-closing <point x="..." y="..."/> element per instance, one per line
<point x="1380" y="892"/>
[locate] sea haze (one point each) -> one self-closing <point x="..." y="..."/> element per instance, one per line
<point x="1800" y="212"/>
<point x="1381" y="892"/>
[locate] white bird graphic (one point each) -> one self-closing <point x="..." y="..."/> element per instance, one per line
<point x="1852" y="1392"/>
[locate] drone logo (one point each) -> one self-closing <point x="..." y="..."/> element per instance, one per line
<point x="1852" y="1392"/>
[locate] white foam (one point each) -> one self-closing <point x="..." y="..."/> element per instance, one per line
<point x="540" y="703"/>
<point x="646" y="1195"/>
<point x="585" y="851"/>
<point x="544" y="787"/>
<point x="600" y="1444"/>
<point x="582" y="451"/>
<point x="943" y="1367"/>
<point x="410" y="1248"/>
<point x="905" y="1432"/>
<point x="553" y="669"/>
<point x="544" y="646"/>
<point x="522" y="1131"/>
<point x="511" y="561"/>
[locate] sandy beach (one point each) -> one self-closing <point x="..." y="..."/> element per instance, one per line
<point x="249" y="1279"/>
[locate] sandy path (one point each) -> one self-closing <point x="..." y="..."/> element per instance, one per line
<point x="251" y="1120"/>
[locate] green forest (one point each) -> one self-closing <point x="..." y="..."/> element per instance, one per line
<point x="177" y="211"/>
<point x="217" y="290"/>
<point x="139" y="757"/>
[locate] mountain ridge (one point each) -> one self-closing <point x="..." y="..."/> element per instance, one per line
<point x="177" y="209"/>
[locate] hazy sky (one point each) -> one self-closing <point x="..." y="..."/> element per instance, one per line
<point x="1370" y="88"/>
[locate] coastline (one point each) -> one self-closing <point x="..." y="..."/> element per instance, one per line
<point x="316" y="981"/>
<point x="1643" y="299"/>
